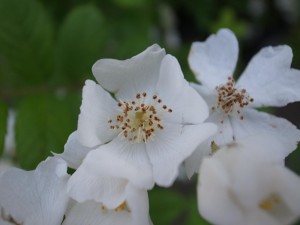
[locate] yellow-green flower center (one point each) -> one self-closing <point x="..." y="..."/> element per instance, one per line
<point x="137" y="120"/>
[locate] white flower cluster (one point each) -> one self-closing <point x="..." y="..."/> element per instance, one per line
<point x="142" y="120"/>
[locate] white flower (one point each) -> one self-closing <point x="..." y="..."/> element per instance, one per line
<point x="34" y="197"/>
<point x="143" y="133"/>
<point x="133" y="211"/>
<point x="235" y="188"/>
<point x="268" y="80"/>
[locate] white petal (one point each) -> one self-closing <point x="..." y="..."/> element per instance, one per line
<point x="74" y="152"/>
<point x="269" y="78"/>
<point x="214" y="200"/>
<point x="106" y="171"/>
<point x="193" y="162"/>
<point x="91" y="213"/>
<point x="88" y="185"/>
<point x="35" y="197"/>
<point x="138" y="203"/>
<point x="223" y="136"/>
<point x="214" y="60"/>
<point x="140" y="71"/>
<point x="2" y="222"/>
<point x="172" y="146"/>
<point x="225" y="131"/>
<point x="96" y="109"/>
<point x="288" y="186"/>
<point x="259" y="122"/>
<point x="187" y="105"/>
<point x="209" y="95"/>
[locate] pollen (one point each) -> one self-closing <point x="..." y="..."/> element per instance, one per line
<point x="231" y="100"/>
<point x="269" y="202"/>
<point x="123" y="206"/>
<point x="139" y="119"/>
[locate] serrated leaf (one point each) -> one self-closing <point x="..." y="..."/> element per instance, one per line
<point x="3" y="119"/>
<point x="165" y="206"/>
<point x="80" y="42"/>
<point x="42" y="125"/>
<point x="26" y="41"/>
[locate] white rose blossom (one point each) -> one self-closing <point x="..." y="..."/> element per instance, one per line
<point x="34" y="197"/>
<point x="133" y="211"/>
<point x="142" y="133"/>
<point x="268" y="80"/>
<point x="235" y="188"/>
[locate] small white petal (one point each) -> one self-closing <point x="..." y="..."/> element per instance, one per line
<point x="214" y="60"/>
<point x="136" y="74"/>
<point x="96" y="109"/>
<point x="35" y="197"/>
<point x="187" y="105"/>
<point x="269" y="78"/>
<point x="138" y="203"/>
<point x="91" y="213"/>
<point x="209" y="95"/>
<point x="86" y="184"/>
<point x="223" y="136"/>
<point x="193" y="162"/>
<point x="172" y="146"/>
<point x="256" y="122"/>
<point x="253" y="190"/>
<point x="214" y="200"/>
<point x="288" y="187"/>
<point x="74" y="152"/>
<point x="106" y="171"/>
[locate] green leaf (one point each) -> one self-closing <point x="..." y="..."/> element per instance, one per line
<point x="130" y="3"/>
<point x="43" y="124"/>
<point x="131" y="33"/>
<point x="26" y="42"/>
<point x="193" y="216"/>
<point x="3" y="119"/>
<point x="80" y="42"/>
<point x="166" y="206"/>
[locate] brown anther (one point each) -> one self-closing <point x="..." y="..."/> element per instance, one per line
<point x="133" y="102"/>
<point x="144" y="94"/>
<point x="138" y="96"/>
<point x="164" y="107"/>
<point x="159" y="101"/>
<point x="170" y="110"/>
<point x="110" y="121"/>
<point x="119" y="104"/>
<point x="154" y="97"/>
<point x="241" y="117"/>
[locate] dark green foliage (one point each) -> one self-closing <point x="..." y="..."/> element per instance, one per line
<point x="26" y="43"/>
<point x="42" y="125"/>
<point x="81" y="41"/>
<point x="3" y="119"/>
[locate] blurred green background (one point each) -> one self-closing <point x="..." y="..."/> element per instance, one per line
<point x="47" y="48"/>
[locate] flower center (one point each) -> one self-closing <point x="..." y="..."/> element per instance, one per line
<point x="122" y="207"/>
<point x="230" y="99"/>
<point x="269" y="202"/>
<point x="139" y="121"/>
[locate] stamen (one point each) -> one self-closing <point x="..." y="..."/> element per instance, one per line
<point x="231" y="100"/>
<point x="138" y="121"/>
